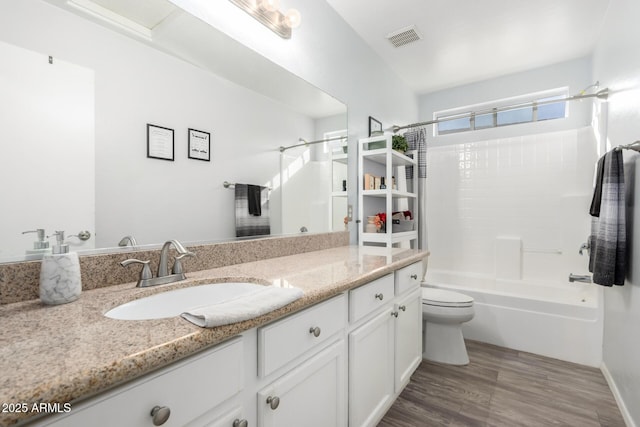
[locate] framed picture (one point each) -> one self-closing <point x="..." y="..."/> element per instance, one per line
<point x="199" y="145"/>
<point x="374" y="126"/>
<point x="160" y="142"/>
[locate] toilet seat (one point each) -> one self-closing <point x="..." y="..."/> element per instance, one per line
<point x="444" y="298"/>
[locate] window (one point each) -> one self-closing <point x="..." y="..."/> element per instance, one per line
<point x="523" y="109"/>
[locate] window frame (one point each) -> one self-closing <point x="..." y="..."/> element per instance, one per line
<point x="493" y="108"/>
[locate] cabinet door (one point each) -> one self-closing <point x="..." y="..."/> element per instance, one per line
<point x="312" y="394"/>
<point x="187" y="389"/>
<point x="371" y="372"/>
<point x="408" y="338"/>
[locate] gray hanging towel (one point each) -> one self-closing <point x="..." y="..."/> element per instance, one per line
<point x="597" y="191"/>
<point x="607" y="259"/>
<point x="254" y="197"/>
<point x="248" y="224"/>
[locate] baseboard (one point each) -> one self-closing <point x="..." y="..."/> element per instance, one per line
<point x="616" y="394"/>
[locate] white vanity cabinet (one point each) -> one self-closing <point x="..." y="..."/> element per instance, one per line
<point x="385" y="343"/>
<point x="371" y="385"/>
<point x="340" y="362"/>
<point x="408" y="338"/>
<point x="408" y="324"/>
<point x="310" y="346"/>
<point x="312" y="394"/>
<point x="183" y="391"/>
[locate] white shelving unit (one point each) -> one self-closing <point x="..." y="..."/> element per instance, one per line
<point x="376" y="156"/>
<point x="338" y="199"/>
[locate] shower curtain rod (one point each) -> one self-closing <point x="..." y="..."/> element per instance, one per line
<point x="601" y="94"/>
<point x="335" y="138"/>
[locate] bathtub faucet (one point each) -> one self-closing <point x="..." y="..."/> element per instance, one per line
<point x="579" y="278"/>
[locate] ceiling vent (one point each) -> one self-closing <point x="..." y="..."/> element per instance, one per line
<point x="404" y="36"/>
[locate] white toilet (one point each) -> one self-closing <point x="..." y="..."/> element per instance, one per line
<point x="443" y="313"/>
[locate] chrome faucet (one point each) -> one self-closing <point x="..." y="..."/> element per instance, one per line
<point x="163" y="268"/>
<point x="163" y="277"/>
<point x="579" y="278"/>
<point x="126" y="240"/>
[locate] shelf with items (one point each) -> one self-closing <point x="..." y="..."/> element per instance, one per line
<point x="379" y="164"/>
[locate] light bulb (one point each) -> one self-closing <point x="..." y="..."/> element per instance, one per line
<point x="292" y="18"/>
<point x="270" y="5"/>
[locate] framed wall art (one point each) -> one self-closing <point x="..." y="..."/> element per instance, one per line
<point x="199" y="145"/>
<point x="160" y="142"/>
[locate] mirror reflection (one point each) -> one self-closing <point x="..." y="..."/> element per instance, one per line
<point x="74" y="142"/>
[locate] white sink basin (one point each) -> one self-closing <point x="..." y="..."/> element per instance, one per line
<point x="173" y="303"/>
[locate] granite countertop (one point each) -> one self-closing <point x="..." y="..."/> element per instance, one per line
<point x="60" y="354"/>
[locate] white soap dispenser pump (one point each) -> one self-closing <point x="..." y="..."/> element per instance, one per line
<point x="40" y="246"/>
<point x="60" y="280"/>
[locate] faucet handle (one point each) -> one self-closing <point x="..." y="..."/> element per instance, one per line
<point x="177" y="264"/>
<point x="146" y="269"/>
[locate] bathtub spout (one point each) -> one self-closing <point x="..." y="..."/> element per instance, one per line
<point x="579" y="278"/>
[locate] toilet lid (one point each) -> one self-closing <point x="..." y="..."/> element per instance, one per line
<point x="444" y="298"/>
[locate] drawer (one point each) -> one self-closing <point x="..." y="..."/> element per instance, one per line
<point x="408" y="278"/>
<point x="367" y="298"/>
<point x="283" y="341"/>
<point x="189" y="389"/>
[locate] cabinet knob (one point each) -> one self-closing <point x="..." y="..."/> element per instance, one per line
<point x="414" y="276"/>
<point x="315" y="331"/>
<point x="394" y="313"/>
<point x="273" y="401"/>
<point x="160" y="415"/>
<point x="380" y="296"/>
<point x="240" y="423"/>
<point x="403" y="308"/>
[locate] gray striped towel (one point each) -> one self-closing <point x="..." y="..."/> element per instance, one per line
<point x="248" y="224"/>
<point x="607" y="259"/>
<point x="417" y="140"/>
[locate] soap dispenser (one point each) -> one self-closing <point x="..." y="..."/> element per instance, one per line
<point x="40" y="246"/>
<point x="60" y="280"/>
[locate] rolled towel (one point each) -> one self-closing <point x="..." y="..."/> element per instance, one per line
<point x="248" y="306"/>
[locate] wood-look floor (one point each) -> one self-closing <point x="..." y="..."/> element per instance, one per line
<point x="506" y="388"/>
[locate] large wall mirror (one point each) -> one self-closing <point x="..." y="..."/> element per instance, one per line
<point x="85" y="80"/>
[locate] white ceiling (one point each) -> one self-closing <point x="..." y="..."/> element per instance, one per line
<point x="471" y="40"/>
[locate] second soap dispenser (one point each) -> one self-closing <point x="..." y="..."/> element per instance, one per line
<point x="60" y="280"/>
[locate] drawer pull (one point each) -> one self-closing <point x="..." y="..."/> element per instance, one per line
<point x="403" y="308"/>
<point x="414" y="276"/>
<point x="160" y="415"/>
<point x="380" y="296"/>
<point x="315" y="331"/>
<point x="273" y="401"/>
<point x="394" y="313"/>
<point x="240" y="423"/>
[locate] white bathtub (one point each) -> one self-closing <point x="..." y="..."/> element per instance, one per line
<point x="561" y="320"/>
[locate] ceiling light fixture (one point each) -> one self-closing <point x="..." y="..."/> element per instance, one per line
<point x="266" y="11"/>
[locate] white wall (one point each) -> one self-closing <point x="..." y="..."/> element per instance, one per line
<point x="136" y="85"/>
<point x="617" y="65"/>
<point x="576" y="75"/>
<point x="328" y="53"/>
<point x="47" y="161"/>
<point x="531" y="182"/>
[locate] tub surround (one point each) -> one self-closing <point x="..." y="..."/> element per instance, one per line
<point x="19" y="281"/>
<point x="69" y="352"/>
